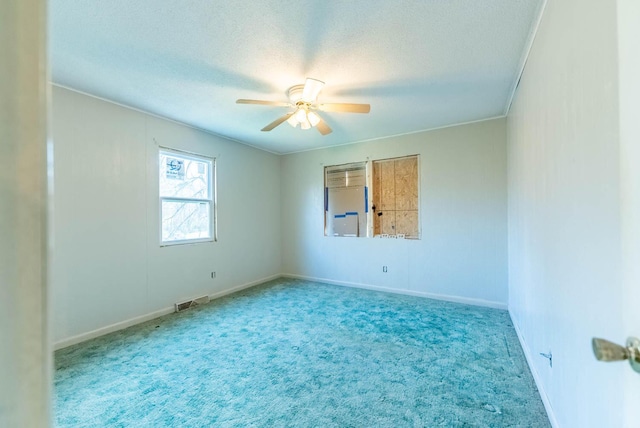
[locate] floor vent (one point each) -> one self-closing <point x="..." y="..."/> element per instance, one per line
<point x="191" y="303"/>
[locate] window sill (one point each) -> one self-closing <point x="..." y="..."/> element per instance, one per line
<point x="187" y="242"/>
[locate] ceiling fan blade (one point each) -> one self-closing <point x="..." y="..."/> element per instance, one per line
<point x="323" y="128"/>
<point x="263" y="103"/>
<point x="277" y="122"/>
<point x="345" y="107"/>
<point x="312" y="88"/>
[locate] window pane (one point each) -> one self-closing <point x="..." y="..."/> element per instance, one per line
<point x="185" y="220"/>
<point x="183" y="177"/>
<point x="346" y="200"/>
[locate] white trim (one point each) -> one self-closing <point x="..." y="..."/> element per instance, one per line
<point x="164" y="244"/>
<point x="435" y="296"/>
<point x="525" y="57"/>
<point x="73" y="340"/>
<point x="185" y="153"/>
<point x="241" y="287"/>
<point x="536" y="377"/>
<point x="214" y="189"/>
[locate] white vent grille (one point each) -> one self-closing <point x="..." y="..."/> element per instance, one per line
<point x="181" y="306"/>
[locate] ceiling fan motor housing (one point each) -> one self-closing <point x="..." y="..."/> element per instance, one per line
<point x="295" y="93"/>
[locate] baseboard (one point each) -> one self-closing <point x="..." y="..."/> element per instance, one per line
<point x="147" y="317"/>
<point x="243" y="286"/>
<point x="445" y="297"/>
<point x="165" y="311"/>
<point x="73" y="340"/>
<point x="536" y="376"/>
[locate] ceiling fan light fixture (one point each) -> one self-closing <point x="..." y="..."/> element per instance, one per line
<point x="314" y="119"/>
<point x="305" y="124"/>
<point x="301" y="115"/>
<point x="292" y="121"/>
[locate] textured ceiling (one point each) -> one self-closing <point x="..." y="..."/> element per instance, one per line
<point x="421" y="64"/>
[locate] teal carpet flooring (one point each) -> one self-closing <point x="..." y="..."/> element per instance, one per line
<point x="293" y="353"/>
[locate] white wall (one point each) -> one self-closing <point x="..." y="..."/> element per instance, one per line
<point x="463" y="251"/>
<point x="564" y="211"/>
<point x="108" y="267"/>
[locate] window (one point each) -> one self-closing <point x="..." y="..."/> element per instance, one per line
<point x="345" y="200"/>
<point x="389" y="210"/>
<point x="186" y="198"/>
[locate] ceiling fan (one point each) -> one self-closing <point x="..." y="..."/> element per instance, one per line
<point x="303" y="99"/>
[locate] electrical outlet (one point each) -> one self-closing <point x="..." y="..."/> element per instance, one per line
<point x="213" y="275"/>
<point x="384" y="269"/>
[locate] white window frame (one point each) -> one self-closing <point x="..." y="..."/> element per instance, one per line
<point x="212" y="199"/>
